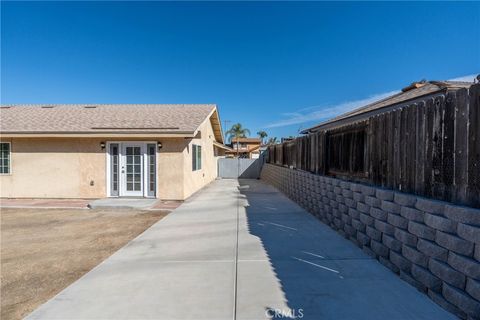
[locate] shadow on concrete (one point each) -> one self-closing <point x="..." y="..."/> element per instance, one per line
<point x="322" y="275"/>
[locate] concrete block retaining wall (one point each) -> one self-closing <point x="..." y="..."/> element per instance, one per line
<point x="433" y="245"/>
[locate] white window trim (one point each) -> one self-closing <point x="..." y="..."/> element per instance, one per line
<point x="10" y="159"/>
<point x="145" y="162"/>
<point x="194" y="145"/>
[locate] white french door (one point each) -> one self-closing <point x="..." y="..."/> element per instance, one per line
<point x="131" y="169"/>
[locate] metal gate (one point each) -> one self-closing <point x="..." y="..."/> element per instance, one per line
<point x="239" y="168"/>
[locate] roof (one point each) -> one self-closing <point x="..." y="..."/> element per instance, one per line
<point x="247" y="140"/>
<point x="411" y="92"/>
<point x="222" y="146"/>
<point x="173" y="119"/>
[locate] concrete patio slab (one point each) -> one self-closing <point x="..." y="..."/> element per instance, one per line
<point x="286" y="264"/>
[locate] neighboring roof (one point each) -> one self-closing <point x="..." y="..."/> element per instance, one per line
<point x="108" y="118"/>
<point x="247" y="140"/>
<point x="222" y="146"/>
<point x="411" y="92"/>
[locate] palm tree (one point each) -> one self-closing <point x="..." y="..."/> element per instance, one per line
<point x="262" y="134"/>
<point x="272" y="141"/>
<point x="237" y="131"/>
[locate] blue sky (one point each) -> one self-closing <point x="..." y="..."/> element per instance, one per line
<point x="277" y="66"/>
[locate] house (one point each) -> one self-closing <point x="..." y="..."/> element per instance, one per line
<point x="248" y="148"/>
<point x="424" y="140"/>
<point x="95" y="151"/>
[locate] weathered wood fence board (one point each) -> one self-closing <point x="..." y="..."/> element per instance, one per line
<point x="430" y="147"/>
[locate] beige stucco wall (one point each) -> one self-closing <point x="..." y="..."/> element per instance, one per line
<point x="195" y="180"/>
<point x="64" y="168"/>
<point x="55" y="168"/>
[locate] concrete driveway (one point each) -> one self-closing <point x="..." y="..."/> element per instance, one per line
<point x="289" y="266"/>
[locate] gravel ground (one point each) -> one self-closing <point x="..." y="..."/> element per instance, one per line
<point x="45" y="250"/>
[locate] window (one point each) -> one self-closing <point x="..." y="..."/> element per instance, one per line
<point x="114" y="166"/>
<point x="196" y="157"/>
<point x="5" y="158"/>
<point x="151" y="151"/>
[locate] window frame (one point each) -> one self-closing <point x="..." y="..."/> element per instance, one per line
<point x="9" y="158"/>
<point x="196" y="157"/>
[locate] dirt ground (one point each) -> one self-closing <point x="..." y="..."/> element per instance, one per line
<point x="45" y="250"/>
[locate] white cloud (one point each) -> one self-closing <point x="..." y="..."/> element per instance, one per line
<point x="326" y="112"/>
<point x="468" y="78"/>
<point x="320" y="113"/>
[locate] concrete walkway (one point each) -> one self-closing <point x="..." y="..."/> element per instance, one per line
<point x="289" y="265"/>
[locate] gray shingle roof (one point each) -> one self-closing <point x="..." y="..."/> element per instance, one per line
<point x="407" y="95"/>
<point x="80" y="118"/>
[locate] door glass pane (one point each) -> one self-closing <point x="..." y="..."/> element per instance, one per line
<point x="133" y="166"/>
<point x="151" y="153"/>
<point x="114" y="168"/>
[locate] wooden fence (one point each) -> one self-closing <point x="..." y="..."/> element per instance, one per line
<point x="430" y="147"/>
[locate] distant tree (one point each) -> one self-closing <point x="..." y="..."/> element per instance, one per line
<point x="272" y="141"/>
<point x="262" y="134"/>
<point x="237" y="131"/>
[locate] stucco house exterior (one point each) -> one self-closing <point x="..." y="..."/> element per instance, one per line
<point x="96" y="151"/>
<point x="248" y="148"/>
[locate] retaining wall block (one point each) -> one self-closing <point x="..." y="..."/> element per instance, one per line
<point x="440" y="223"/>
<point x="367" y="190"/>
<point x="390" y="207"/>
<point x="432" y="250"/>
<point x="358" y="196"/>
<point x="378" y="214"/>
<point x="363" y="207"/>
<point x="462" y="300"/>
<point x="363" y="239"/>
<point x="469" y="232"/>
<point x="414" y="256"/>
<point x="429" y="205"/>
<point x="350" y="203"/>
<point x="440" y="300"/>
<point x="421" y="230"/>
<point x="465" y="215"/>
<point x="366" y="219"/>
<point x="397" y="220"/>
<point x="404" y="199"/>
<point x="373" y="202"/>
<point x="406" y="237"/>
<point x="454" y="243"/>
<point x="447" y="273"/>
<point x="355" y="187"/>
<point x="473" y="288"/>
<point x="347" y="193"/>
<point x="392" y="243"/>
<point x="384" y="227"/>
<point x="373" y="233"/>
<point x="412" y="214"/>
<point x="387" y="263"/>
<point x="383" y="194"/>
<point x="402" y="263"/>
<point x="425" y="277"/>
<point x="353" y="213"/>
<point x="379" y="248"/>
<point x="466" y="265"/>
<point x="357" y="224"/>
